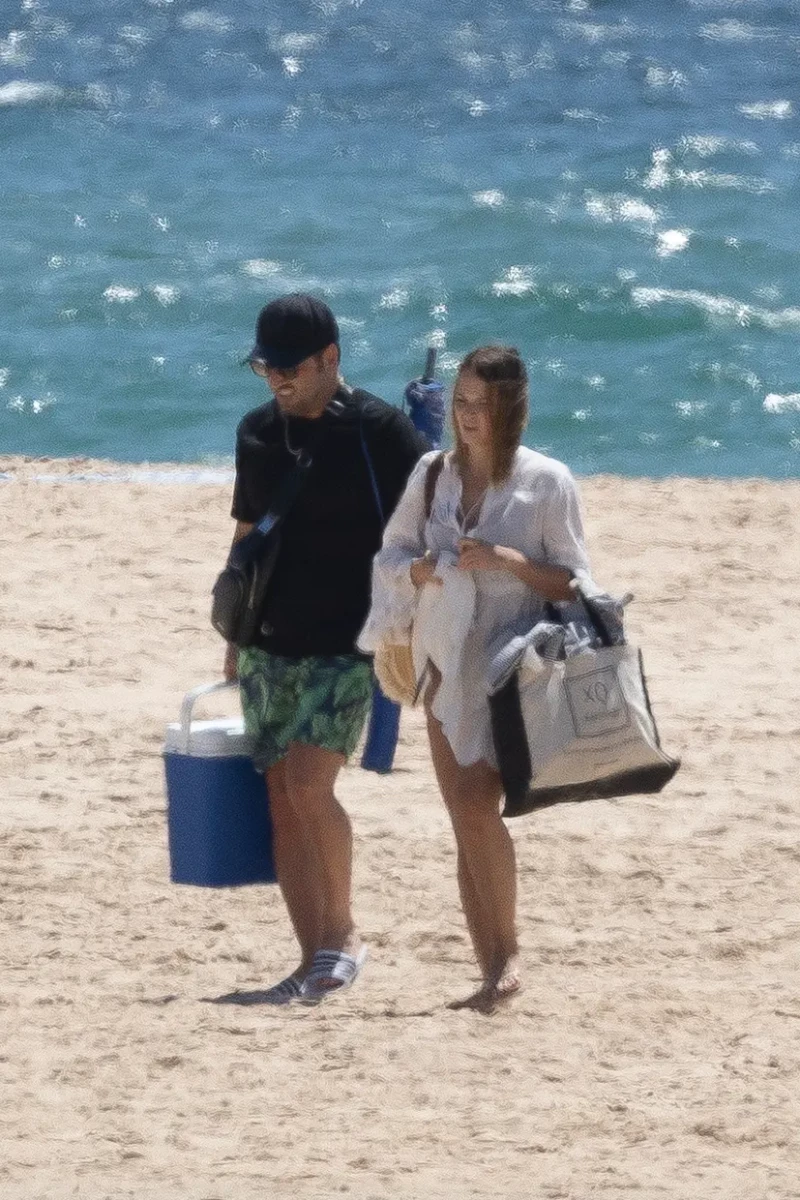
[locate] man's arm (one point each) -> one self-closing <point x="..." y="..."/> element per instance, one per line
<point x="229" y="669"/>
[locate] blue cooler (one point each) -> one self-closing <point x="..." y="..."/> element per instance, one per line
<point x="218" y="821"/>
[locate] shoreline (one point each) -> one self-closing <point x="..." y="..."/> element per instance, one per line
<point x="44" y="469"/>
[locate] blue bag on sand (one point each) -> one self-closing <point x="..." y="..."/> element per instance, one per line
<point x="218" y="822"/>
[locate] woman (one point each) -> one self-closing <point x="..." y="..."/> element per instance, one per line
<point x="504" y="536"/>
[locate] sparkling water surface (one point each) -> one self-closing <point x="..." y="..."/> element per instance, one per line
<point x="610" y="186"/>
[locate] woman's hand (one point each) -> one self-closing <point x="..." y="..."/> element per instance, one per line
<point x="423" y="570"/>
<point x="474" y="555"/>
<point x="552" y="583"/>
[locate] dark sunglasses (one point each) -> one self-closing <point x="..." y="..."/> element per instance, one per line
<point x="260" y="368"/>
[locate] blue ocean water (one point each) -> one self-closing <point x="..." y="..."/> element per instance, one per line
<point x="612" y="186"/>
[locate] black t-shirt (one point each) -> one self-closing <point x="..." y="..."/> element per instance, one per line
<point x="319" y="593"/>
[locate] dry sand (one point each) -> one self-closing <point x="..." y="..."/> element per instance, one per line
<point x="655" y="1050"/>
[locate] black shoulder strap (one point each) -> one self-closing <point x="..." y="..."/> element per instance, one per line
<point x="287" y="491"/>
<point x="291" y="483"/>
<point x="362" y="399"/>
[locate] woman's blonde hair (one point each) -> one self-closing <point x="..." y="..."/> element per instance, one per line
<point x="502" y="369"/>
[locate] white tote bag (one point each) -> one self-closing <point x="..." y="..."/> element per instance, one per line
<point x="578" y="728"/>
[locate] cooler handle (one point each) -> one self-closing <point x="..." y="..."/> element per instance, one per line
<point x="188" y="703"/>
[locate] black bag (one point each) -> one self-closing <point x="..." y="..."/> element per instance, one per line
<point x="241" y="588"/>
<point x="577" y="726"/>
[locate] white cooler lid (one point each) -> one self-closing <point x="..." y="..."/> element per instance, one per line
<point x="221" y="738"/>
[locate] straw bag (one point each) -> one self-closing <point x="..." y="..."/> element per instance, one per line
<point x="394" y="670"/>
<point x="393" y="662"/>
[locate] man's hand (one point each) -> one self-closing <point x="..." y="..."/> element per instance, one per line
<point x="230" y="670"/>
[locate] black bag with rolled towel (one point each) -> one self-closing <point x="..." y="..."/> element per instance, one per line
<point x="571" y="716"/>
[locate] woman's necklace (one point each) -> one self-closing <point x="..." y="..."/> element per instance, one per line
<point x="469" y="516"/>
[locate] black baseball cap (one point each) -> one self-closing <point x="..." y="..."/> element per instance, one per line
<point x="293" y="328"/>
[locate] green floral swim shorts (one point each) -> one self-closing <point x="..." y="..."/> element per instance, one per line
<point x="318" y="701"/>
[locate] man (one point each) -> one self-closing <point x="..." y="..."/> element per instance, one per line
<point x="305" y="689"/>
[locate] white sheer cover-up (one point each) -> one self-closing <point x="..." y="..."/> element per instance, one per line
<point x="460" y="624"/>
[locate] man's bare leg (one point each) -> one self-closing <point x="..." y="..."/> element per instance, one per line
<point x="325" y="835"/>
<point x="296" y="867"/>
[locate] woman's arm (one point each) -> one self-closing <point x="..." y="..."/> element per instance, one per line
<point x="393" y="593"/>
<point x="563" y="545"/>
<point x="550" y="582"/>
<point x="403" y="538"/>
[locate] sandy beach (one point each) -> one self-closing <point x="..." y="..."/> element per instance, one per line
<point x="655" y="1049"/>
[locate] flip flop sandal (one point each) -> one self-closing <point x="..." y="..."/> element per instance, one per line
<point x="331" y="971"/>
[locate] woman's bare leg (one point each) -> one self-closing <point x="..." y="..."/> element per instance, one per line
<point x="486" y="867"/>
